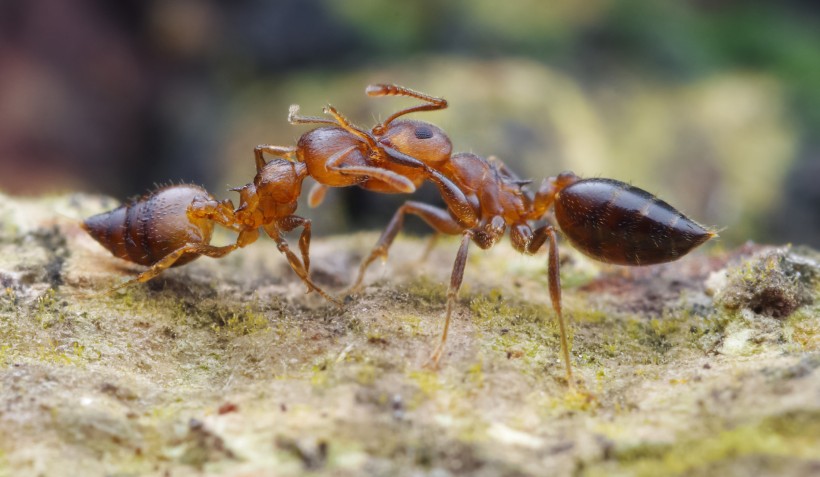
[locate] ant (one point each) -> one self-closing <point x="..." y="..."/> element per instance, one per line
<point x="607" y="220"/>
<point x="172" y="225"/>
<point x="394" y="157"/>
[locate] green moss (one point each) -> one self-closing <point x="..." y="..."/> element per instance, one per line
<point x="242" y="322"/>
<point x="774" y="284"/>
<point x="793" y="435"/>
<point x="428" y="381"/>
<point x="803" y="328"/>
<point x="48" y="311"/>
<point x="411" y="324"/>
<point x="427" y="290"/>
<point x="495" y="310"/>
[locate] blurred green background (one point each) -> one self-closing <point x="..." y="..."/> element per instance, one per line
<point x="713" y="105"/>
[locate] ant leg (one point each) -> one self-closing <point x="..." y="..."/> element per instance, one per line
<point x="295" y="118"/>
<point x="317" y="194"/>
<point x="433" y="103"/>
<point x="506" y="172"/>
<point x="439" y="219"/>
<point x="221" y="212"/>
<point x="540" y="236"/>
<point x="345" y="124"/>
<point x="452" y="293"/>
<point x="455" y="199"/>
<point x="168" y="261"/>
<point x="338" y="120"/>
<point x="546" y="194"/>
<point x="291" y="222"/>
<point x="394" y="180"/>
<point x="285" y="152"/>
<point x="295" y="264"/>
<point x="431" y="243"/>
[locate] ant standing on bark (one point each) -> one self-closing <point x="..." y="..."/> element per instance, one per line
<point x="608" y="220"/>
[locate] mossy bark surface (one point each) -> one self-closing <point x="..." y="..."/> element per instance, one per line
<point x="706" y="366"/>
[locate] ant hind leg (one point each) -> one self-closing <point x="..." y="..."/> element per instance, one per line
<point x="169" y="260"/>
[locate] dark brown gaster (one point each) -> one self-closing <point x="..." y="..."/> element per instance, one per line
<point x="614" y="222"/>
<point x="605" y="219"/>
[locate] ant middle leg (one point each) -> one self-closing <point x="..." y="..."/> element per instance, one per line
<point x="456" y="277"/>
<point x="439" y="219"/>
<point x="297" y="266"/>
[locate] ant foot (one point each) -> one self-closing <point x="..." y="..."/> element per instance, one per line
<point x="432" y="362"/>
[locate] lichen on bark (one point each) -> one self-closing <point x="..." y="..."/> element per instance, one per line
<point x="226" y="367"/>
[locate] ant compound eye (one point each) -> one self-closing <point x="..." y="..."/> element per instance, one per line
<point x="424" y="132"/>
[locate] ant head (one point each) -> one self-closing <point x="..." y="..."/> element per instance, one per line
<point x="423" y="141"/>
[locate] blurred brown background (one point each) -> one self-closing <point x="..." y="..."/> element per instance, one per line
<point x="714" y="105"/>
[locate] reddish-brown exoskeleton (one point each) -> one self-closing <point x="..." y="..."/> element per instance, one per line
<point x="172" y="225"/>
<point x="395" y="156"/>
<point x="605" y="219"/>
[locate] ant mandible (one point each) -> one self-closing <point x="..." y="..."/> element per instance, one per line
<point x="608" y="220"/>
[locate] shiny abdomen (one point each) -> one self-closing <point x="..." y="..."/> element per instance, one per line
<point x="146" y="230"/>
<point x="615" y="222"/>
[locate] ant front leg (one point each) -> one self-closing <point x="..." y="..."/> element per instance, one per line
<point x="345" y="124"/>
<point x="394" y="180"/>
<point x="274" y="232"/>
<point x="439" y="219"/>
<point x="461" y="207"/>
<point x="291" y="222"/>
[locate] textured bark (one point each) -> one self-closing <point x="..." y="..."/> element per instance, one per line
<point x="708" y="365"/>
